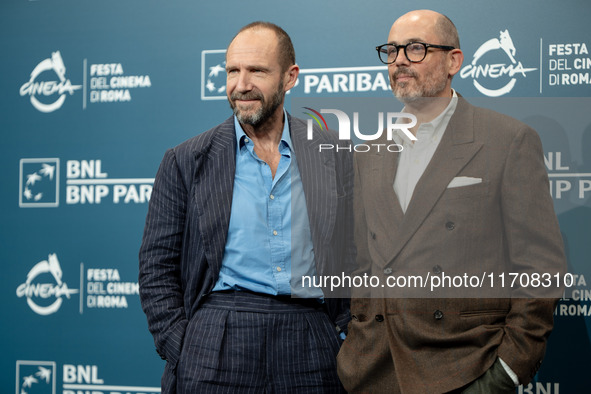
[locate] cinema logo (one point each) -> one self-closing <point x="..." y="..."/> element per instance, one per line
<point x="392" y="129"/>
<point x="44" y="288"/>
<point x="483" y="73"/>
<point x="48" y="95"/>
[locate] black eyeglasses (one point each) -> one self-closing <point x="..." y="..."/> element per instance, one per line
<point x="414" y="51"/>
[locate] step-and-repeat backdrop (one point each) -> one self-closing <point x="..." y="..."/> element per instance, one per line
<point x="93" y="92"/>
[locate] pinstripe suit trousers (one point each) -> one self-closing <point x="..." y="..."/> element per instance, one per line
<point x="240" y="342"/>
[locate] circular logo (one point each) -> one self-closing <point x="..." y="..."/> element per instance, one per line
<point x="33" y="290"/>
<point x="35" y="88"/>
<point x="484" y="71"/>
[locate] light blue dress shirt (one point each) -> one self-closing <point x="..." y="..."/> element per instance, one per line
<point x="269" y="244"/>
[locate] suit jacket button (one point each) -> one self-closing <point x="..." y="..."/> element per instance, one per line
<point x="438" y="315"/>
<point x="388" y="271"/>
<point x="437" y="269"/>
<point x="380" y="318"/>
<point x="450" y="225"/>
<point x="373" y="235"/>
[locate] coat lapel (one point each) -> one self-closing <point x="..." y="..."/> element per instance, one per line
<point x="318" y="173"/>
<point x="456" y="149"/>
<point x="213" y="188"/>
<point x="384" y="170"/>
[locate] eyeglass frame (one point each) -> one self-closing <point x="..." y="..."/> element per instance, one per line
<point x="427" y="46"/>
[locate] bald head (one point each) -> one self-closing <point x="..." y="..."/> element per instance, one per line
<point x="437" y="25"/>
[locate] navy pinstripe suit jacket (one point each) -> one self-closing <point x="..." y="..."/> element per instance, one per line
<point x="188" y="219"/>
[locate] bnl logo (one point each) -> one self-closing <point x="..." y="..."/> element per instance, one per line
<point x="39" y="183"/>
<point x="213" y="74"/>
<point x="35" y="377"/>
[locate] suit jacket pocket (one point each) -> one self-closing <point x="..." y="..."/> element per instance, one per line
<point x="470" y="191"/>
<point x="487" y="312"/>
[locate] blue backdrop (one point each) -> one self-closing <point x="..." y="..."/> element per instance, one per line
<point x="93" y="92"/>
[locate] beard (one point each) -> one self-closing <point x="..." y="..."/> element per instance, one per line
<point x="418" y="88"/>
<point x="266" y="109"/>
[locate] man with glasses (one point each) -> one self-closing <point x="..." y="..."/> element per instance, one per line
<point x="469" y="194"/>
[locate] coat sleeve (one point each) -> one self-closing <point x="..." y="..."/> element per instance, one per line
<point x="534" y="246"/>
<point x="161" y="288"/>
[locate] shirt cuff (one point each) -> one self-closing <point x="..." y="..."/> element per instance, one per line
<point x="510" y="372"/>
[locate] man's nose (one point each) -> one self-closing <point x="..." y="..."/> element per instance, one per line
<point x="244" y="84"/>
<point x="401" y="59"/>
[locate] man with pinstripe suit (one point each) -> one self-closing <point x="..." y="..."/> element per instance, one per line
<point x="237" y="215"/>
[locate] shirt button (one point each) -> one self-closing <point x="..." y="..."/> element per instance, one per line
<point x="278" y="269"/>
<point x="275" y="232"/>
<point x="450" y="225"/>
<point x="379" y="318"/>
<point x="246" y="140"/>
<point x="437" y="269"/>
<point x="272" y="197"/>
<point x="388" y="271"/>
<point x="438" y="315"/>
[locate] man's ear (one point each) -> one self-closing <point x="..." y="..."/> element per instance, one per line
<point x="456" y="58"/>
<point x="291" y="77"/>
